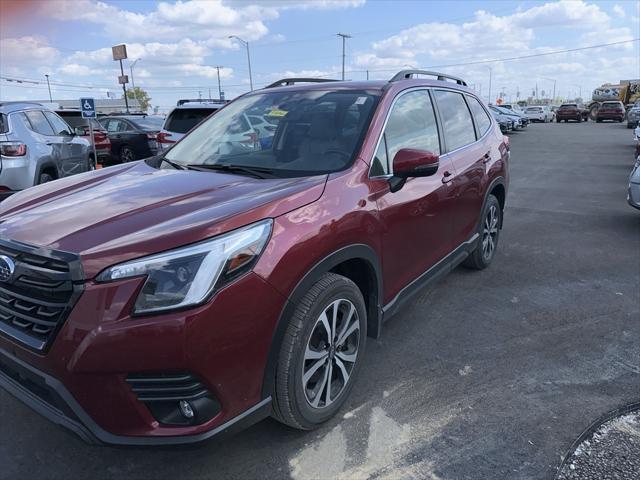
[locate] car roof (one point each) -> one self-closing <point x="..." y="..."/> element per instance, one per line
<point x="10" y="107"/>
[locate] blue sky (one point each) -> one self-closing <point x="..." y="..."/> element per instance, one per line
<point x="180" y="43"/>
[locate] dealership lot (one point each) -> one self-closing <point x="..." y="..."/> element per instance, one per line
<point x="487" y="375"/>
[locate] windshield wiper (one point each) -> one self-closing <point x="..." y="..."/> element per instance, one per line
<point x="175" y="165"/>
<point x="258" y="172"/>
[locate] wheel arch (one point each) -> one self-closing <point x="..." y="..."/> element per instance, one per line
<point x="46" y="167"/>
<point x="359" y="263"/>
<point x="498" y="188"/>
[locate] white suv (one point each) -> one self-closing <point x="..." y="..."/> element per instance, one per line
<point x="183" y="118"/>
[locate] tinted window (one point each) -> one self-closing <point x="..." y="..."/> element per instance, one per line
<point x="77" y="121"/>
<point x="411" y="124"/>
<point x="483" y="122"/>
<point x="456" y="119"/>
<point x="39" y="122"/>
<point x="112" y="125"/>
<point x="4" y="124"/>
<point x="148" y="123"/>
<point x="124" y="126"/>
<point x="184" y="119"/>
<point x="59" y="125"/>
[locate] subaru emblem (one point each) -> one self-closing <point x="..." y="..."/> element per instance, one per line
<point x="7" y="267"/>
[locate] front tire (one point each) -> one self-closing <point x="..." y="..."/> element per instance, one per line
<point x="489" y="232"/>
<point x="321" y="353"/>
<point x="45" y="178"/>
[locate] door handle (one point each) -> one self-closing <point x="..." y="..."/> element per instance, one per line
<point x="486" y="158"/>
<point x="48" y="143"/>
<point x="447" y="177"/>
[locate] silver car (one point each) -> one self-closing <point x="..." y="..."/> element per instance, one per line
<point x="633" y="116"/>
<point x="37" y="146"/>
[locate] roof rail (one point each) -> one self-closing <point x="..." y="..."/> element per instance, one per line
<point x="200" y="100"/>
<point x="406" y="74"/>
<point x="18" y="102"/>
<point x="292" y="81"/>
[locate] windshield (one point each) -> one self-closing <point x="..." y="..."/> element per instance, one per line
<point x="534" y="109"/>
<point x="77" y="121"/>
<point x="504" y="111"/>
<point x="569" y="105"/>
<point x="181" y="120"/>
<point x="291" y="133"/>
<point x="148" y="123"/>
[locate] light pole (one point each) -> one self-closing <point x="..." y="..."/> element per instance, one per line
<point x="246" y="44"/>
<point x="344" y="39"/>
<point x="219" y="87"/>
<point x="133" y="84"/>
<point x="49" y="87"/>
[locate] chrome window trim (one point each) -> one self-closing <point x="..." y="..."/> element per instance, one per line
<point x="384" y="127"/>
<point x="429" y="89"/>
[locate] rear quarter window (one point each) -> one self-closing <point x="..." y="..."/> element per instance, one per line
<point x="182" y="120"/>
<point x="4" y="123"/>
<point x="483" y="122"/>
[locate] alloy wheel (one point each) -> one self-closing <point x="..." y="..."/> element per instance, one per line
<point x="490" y="232"/>
<point x="331" y="353"/>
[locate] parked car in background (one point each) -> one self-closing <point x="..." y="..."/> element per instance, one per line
<point x="514" y="107"/>
<point x="539" y="113"/>
<point x="79" y="124"/>
<point x="571" y="111"/>
<point x="132" y="136"/>
<point x="186" y="115"/>
<point x="37" y="146"/>
<point x="202" y="290"/>
<point x="613" y="110"/>
<point x="633" y="192"/>
<point x="505" y="122"/>
<point x="633" y="116"/>
<point x="519" y="122"/>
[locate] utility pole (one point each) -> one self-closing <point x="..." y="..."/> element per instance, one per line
<point x="344" y="39"/>
<point x="49" y="87"/>
<point x="219" y="87"/>
<point x="367" y="74"/>
<point x="246" y="44"/>
<point x="490" y="75"/>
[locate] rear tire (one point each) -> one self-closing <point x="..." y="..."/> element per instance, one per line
<point x="315" y="350"/>
<point x="45" y="178"/>
<point x="579" y="119"/>
<point x="490" y="225"/>
<point x="127" y="155"/>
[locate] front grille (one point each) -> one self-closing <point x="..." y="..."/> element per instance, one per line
<point x="36" y="300"/>
<point x="165" y="394"/>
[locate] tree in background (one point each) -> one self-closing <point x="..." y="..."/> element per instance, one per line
<point x="142" y="96"/>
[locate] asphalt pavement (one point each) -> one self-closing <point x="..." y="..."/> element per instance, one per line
<point x="488" y="375"/>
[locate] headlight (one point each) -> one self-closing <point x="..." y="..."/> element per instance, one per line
<point x="189" y="275"/>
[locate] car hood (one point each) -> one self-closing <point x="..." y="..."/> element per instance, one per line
<point x="127" y="211"/>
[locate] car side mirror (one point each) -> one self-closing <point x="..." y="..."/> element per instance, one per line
<point x="409" y="162"/>
<point x="79" y="131"/>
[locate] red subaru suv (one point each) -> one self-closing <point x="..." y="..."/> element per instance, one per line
<point x="171" y="299"/>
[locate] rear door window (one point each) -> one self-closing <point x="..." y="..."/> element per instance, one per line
<point x="483" y="122"/>
<point x="456" y="119"/>
<point x="59" y="125"/>
<point x="39" y="123"/>
<point x="182" y="120"/>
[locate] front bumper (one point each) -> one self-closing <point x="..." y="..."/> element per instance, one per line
<point x="52" y="400"/>
<point x="80" y="382"/>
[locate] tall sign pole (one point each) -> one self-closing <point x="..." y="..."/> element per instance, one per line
<point x="119" y="53"/>
<point x="88" y="109"/>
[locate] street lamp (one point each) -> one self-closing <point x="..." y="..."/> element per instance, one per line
<point x="133" y="84"/>
<point x="246" y="44"/>
<point x="49" y="87"/>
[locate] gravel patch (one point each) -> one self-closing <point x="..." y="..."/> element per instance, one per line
<point x="611" y="452"/>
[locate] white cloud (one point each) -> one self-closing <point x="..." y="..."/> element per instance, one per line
<point x="619" y="11"/>
<point x="26" y="52"/>
<point x="210" y="20"/>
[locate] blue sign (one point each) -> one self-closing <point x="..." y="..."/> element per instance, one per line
<point x="88" y="107"/>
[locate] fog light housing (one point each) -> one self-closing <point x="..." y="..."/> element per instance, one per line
<point x="176" y="399"/>
<point x="186" y="410"/>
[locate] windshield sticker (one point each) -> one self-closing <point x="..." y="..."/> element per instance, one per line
<point x="277" y="113"/>
<point x="361" y="100"/>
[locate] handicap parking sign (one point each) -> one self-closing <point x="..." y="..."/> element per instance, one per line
<point x="88" y="107"/>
